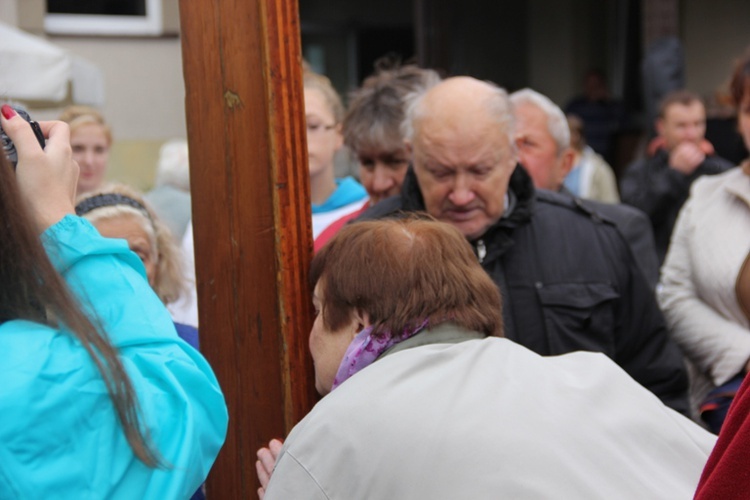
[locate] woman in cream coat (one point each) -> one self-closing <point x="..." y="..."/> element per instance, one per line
<point x="423" y="401"/>
<point x="706" y="276"/>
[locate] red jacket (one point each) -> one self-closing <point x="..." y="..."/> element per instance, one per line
<point x="727" y="472"/>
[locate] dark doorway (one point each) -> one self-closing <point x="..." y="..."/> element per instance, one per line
<point x="376" y="42"/>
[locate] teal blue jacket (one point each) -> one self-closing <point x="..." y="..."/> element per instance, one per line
<point x="59" y="434"/>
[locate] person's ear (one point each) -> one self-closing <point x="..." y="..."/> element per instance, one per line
<point x="339" y="136"/>
<point x="660" y="126"/>
<point x="360" y="321"/>
<point x="409" y="150"/>
<point x="568" y="160"/>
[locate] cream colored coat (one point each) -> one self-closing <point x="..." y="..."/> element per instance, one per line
<point x="598" y="181"/>
<point x="709" y="245"/>
<point x="486" y="419"/>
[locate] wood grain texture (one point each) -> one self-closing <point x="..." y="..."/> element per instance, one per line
<point x="251" y="214"/>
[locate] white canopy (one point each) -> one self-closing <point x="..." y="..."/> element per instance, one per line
<point x="33" y="69"/>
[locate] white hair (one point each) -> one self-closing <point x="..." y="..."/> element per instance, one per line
<point x="173" y="168"/>
<point x="496" y="104"/>
<point x="557" y="124"/>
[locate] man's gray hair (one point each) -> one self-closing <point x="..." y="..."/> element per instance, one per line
<point x="497" y="104"/>
<point x="557" y="124"/>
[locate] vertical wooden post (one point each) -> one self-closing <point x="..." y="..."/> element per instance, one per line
<point x="250" y="192"/>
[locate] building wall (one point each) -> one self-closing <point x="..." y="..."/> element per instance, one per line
<point x="545" y="44"/>
<point x="551" y="39"/>
<point x="714" y="34"/>
<point x="144" y="98"/>
<point x="144" y="88"/>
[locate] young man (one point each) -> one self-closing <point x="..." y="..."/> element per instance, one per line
<point x="659" y="184"/>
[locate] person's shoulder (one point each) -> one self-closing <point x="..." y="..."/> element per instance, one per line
<point x="706" y="184"/>
<point x="616" y="212"/>
<point x="719" y="163"/>
<point x="636" y="166"/>
<point x="575" y="216"/>
<point x="349" y="184"/>
<point x="389" y="207"/>
<point x="566" y="205"/>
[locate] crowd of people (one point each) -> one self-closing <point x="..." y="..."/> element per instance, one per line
<point x="495" y="315"/>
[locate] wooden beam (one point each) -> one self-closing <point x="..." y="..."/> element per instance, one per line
<point x="251" y="215"/>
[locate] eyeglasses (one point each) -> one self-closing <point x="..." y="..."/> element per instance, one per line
<point x="319" y="128"/>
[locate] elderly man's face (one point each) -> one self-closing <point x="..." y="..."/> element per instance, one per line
<point x="537" y="149"/>
<point x="463" y="171"/>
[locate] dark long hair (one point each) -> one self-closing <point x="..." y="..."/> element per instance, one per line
<point x="31" y="289"/>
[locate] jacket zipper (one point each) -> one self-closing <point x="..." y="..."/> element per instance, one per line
<point x="481" y="250"/>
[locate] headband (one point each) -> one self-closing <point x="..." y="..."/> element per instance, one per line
<point x="109" y="200"/>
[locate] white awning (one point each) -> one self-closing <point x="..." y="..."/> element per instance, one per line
<point x="33" y="69"/>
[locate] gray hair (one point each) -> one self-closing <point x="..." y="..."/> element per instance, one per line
<point x="497" y="105"/>
<point x="557" y="124"/>
<point x="376" y="109"/>
<point x="173" y="168"/>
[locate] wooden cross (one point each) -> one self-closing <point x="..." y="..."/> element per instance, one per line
<point x="251" y="216"/>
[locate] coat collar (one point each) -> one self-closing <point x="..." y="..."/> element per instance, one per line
<point x="740" y="187"/>
<point x="444" y="333"/>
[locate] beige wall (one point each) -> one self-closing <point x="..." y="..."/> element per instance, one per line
<point x="144" y="98"/>
<point x="144" y="88"/>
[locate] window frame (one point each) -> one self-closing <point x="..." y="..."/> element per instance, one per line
<point x="152" y="24"/>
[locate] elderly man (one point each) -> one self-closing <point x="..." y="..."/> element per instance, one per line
<point x="543" y="142"/>
<point x="568" y="280"/>
<point x="659" y="185"/>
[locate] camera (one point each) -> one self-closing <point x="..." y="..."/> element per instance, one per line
<point x="9" y="148"/>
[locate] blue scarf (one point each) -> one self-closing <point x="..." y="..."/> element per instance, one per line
<point x="347" y="191"/>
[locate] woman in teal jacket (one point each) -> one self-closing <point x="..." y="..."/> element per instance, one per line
<point x="131" y="413"/>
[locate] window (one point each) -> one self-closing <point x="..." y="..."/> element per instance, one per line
<point x="104" y="17"/>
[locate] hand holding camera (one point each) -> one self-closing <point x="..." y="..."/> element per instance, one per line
<point x="46" y="173"/>
<point x="9" y="148"/>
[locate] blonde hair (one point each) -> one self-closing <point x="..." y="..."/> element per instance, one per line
<point x="169" y="280"/>
<point x="78" y="116"/>
<point x="322" y="84"/>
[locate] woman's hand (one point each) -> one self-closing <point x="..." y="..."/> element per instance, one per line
<point x="46" y="177"/>
<point x="265" y="464"/>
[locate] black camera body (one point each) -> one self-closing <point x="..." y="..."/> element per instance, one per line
<point x="9" y="148"/>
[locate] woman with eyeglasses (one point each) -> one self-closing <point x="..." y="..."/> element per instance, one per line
<point x="331" y="198"/>
<point x="372" y="131"/>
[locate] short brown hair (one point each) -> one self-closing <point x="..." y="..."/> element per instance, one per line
<point x="402" y="272"/>
<point x="376" y="109"/>
<point x="683" y="97"/>
<point x="740" y="84"/>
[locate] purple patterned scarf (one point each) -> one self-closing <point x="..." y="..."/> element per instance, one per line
<point x="365" y="349"/>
